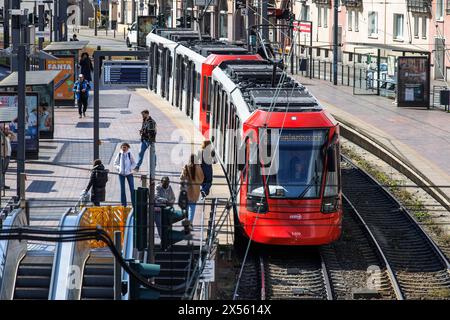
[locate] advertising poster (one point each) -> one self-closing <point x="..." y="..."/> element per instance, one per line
<point x="145" y="26"/>
<point x="65" y="79"/>
<point x="31" y="121"/>
<point x="413" y="89"/>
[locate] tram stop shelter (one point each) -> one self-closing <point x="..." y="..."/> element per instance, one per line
<point x="42" y="83"/>
<point x="408" y="68"/>
<point x="68" y="54"/>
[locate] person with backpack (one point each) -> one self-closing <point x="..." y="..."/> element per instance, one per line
<point x="192" y="176"/>
<point x="99" y="177"/>
<point x="124" y="163"/>
<point x="81" y="89"/>
<point x="148" y="138"/>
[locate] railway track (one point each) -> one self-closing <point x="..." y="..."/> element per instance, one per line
<point x="418" y="265"/>
<point x="284" y="273"/>
<point x="356" y="266"/>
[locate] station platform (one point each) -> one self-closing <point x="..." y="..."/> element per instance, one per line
<point x="416" y="135"/>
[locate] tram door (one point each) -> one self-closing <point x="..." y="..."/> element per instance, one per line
<point x="163" y="72"/>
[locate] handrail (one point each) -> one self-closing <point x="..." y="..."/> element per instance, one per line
<point x="11" y="253"/>
<point x="201" y="262"/>
<point x="67" y="273"/>
<point x="128" y="248"/>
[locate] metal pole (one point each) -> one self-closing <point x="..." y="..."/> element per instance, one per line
<point x="97" y="55"/>
<point x="6" y="6"/>
<point x="95" y="22"/>
<point x="117" y="268"/>
<point x="335" y="42"/>
<point x="41" y="13"/>
<point x="310" y="53"/>
<point x="15" y="34"/>
<point x="21" y="117"/>
<point x="265" y="19"/>
<point x="378" y="73"/>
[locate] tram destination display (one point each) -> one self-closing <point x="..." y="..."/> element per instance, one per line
<point x="125" y="72"/>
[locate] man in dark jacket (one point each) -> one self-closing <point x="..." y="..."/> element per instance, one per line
<point x="148" y="138"/>
<point x="99" y="177"/>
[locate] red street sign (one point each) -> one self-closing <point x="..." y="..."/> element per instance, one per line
<point x="303" y="27"/>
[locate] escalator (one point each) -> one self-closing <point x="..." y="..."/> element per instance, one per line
<point x="33" y="277"/>
<point x="98" y="277"/>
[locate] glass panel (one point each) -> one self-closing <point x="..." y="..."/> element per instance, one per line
<point x="299" y="164"/>
<point x="255" y="182"/>
<point x="416" y="26"/>
<point x="331" y="187"/>
<point x="356" y="21"/>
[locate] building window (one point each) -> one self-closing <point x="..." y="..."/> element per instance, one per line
<point x="349" y="20"/>
<point x="373" y="23"/>
<point x="398" y="26"/>
<point x="439" y="10"/>
<point x="319" y="16"/>
<point x="424" y="27"/>
<point x="326" y="53"/>
<point x="318" y="52"/>
<point x="350" y="57"/>
<point x="416" y="27"/>
<point x="325" y="17"/>
<point x="356" y="21"/>
<point x="305" y="12"/>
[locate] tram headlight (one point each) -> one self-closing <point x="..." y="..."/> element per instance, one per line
<point x="257" y="204"/>
<point x="329" y="204"/>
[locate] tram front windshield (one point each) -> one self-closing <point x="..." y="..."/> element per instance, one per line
<point x="300" y="164"/>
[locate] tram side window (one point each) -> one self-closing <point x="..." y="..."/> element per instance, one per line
<point x="205" y="94"/>
<point x="255" y="182"/>
<point x="208" y="106"/>
<point x="197" y="86"/>
<point x="332" y="183"/>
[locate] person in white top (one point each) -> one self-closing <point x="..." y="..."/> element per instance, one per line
<point x="125" y="164"/>
<point x="6" y="152"/>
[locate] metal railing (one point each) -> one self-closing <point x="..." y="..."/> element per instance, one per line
<point x="197" y="289"/>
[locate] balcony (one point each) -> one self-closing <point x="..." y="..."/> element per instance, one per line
<point x="353" y="3"/>
<point x="419" y="6"/>
<point x="326" y="3"/>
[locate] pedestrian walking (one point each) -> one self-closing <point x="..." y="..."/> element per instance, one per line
<point x="207" y="161"/>
<point x="86" y="66"/>
<point x="6" y="146"/>
<point x="124" y="163"/>
<point x="164" y="197"/>
<point x="101" y="59"/>
<point x="81" y="89"/>
<point x="74" y="38"/>
<point x="97" y="181"/>
<point x="148" y="138"/>
<point x="192" y="175"/>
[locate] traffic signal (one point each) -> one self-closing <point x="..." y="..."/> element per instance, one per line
<point x="181" y="22"/>
<point x="140" y="218"/>
<point x="147" y="270"/>
<point x="168" y="236"/>
<point x="161" y="21"/>
<point x="46" y="17"/>
<point x="188" y="21"/>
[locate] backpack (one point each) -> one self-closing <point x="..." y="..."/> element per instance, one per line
<point x="101" y="177"/>
<point x="120" y="156"/>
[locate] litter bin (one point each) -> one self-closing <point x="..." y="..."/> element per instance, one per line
<point x="91" y="23"/>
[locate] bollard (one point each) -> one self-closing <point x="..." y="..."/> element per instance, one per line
<point x="144" y="180"/>
<point x="117" y="268"/>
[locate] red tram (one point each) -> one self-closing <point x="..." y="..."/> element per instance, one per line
<point x="279" y="148"/>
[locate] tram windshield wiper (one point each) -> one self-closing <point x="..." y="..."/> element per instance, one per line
<point x="313" y="182"/>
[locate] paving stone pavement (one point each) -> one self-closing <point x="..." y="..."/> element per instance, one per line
<point x="56" y="180"/>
